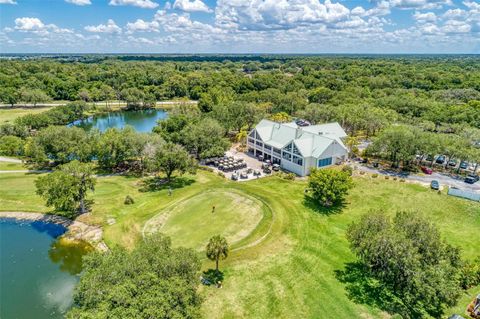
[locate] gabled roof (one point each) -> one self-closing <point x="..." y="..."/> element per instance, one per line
<point x="310" y="140"/>
<point x="326" y="129"/>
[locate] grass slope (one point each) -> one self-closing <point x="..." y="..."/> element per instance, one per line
<point x="286" y="267"/>
<point x="10" y="114"/>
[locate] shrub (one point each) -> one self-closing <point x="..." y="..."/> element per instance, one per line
<point x="347" y="169"/>
<point x="11" y="145"/>
<point x="205" y="168"/>
<point x="402" y="180"/>
<point x="221" y="174"/>
<point x="375" y="175"/>
<point x="287" y="176"/>
<point x="362" y="172"/>
<point x="128" y="200"/>
<point x="387" y="177"/>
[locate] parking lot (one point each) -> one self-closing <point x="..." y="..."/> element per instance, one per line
<point x="444" y="179"/>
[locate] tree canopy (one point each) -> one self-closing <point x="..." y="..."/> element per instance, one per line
<point x="153" y="280"/>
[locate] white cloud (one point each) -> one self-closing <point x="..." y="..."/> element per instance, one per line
<point x="142" y="26"/>
<point x="29" y="24"/>
<point x="191" y="6"/>
<point x="425" y="17"/>
<point x="277" y="14"/>
<point x="111" y="27"/>
<point x="35" y="25"/>
<point x="420" y="4"/>
<point x="454" y="14"/>
<point x="8" y="2"/>
<point x="455" y="26"/>
<point x="79" y="2"/>
<point x="146" y="4"/>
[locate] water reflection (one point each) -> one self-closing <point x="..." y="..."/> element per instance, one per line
<point x="69" y="254"/>
<point x="141" y="120"/>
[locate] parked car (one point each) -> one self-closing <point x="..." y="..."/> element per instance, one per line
<point x="256" y="173"/>
<point x="234" y="177"/>
<point x="267" y="170"/>
<point x="243" y="175"/>
<point x="452" y="163"/>
<point x="471" y="179"/>
<point x="464" y="165"/>
<point x="265" y="165"/>
<point x="440" y="159"/>
<point x="434" y="185"/>
<point x="276" y="167"/>
<point x="364" y="160"/>
<point x="429" y="158"/>
<point x="426" y="170"/>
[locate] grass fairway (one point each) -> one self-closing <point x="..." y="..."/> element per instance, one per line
<point x="193" y="221"/>
<point x="10" y="114"/>
<point x="9" y="166"/>
<point x="286" y="267"/>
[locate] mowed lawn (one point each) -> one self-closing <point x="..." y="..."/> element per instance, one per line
<point x="286" y="267"/>
<point x="10" y="166"/>
<point x="10" y="114"/>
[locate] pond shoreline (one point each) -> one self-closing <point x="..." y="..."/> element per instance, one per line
<point x="75" y="230"/>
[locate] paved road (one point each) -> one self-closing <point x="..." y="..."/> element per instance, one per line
<point x="10" y="160"/>
<point x="443" y="179"/>
<point x="113" y="103"/>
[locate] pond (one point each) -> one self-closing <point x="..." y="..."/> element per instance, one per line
<point x="38" y="270"/>
<point x="142" y="120"/>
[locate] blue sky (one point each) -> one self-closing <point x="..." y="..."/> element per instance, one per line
<point x="240" y="26"/>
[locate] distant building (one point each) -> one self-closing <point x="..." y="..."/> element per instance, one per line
<point x="298" y="148"/>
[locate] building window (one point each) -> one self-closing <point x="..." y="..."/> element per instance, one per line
<point x="259" y="143"/>
<point x="277" y="151"/>
<point x="268" y="147"/>
<point x="252" y="134"/>
<point x="324" y="162"/>
<point x="287" y="156"/>
<point x="297" y="160"/>
<point x="289" y="147"/>
<point x="251" y="140"/>
<point x="295" y="150"/>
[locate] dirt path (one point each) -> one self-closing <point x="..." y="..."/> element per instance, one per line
<point x="76" y="230"/>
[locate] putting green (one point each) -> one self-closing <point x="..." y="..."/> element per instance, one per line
<point x="191" y="222"/>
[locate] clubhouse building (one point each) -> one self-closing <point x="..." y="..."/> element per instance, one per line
<point x="298" y="148"/>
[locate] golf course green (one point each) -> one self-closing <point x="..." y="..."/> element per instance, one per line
<point x="286" y="252"/>
<point x="194" y="220"/>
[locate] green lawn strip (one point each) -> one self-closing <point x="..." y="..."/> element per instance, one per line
<point x="9" y="166"/>
<point x="10" y="114"/>
<point x="291" y="273"/>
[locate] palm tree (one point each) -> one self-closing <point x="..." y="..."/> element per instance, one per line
<point x="217" y="248"/>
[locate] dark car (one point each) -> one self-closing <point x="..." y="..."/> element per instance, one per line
<point x="267" y="170"/>
<point x="434" y="185"/>
<point x="234" y="177"/>
<point x="429" y="158"/>
<point x="471" y="179"/>
<point x="426" y="170"/>
<point x="464" y="165"/>
<point x="440" y="159"/>
<point x="452" y="163"/>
